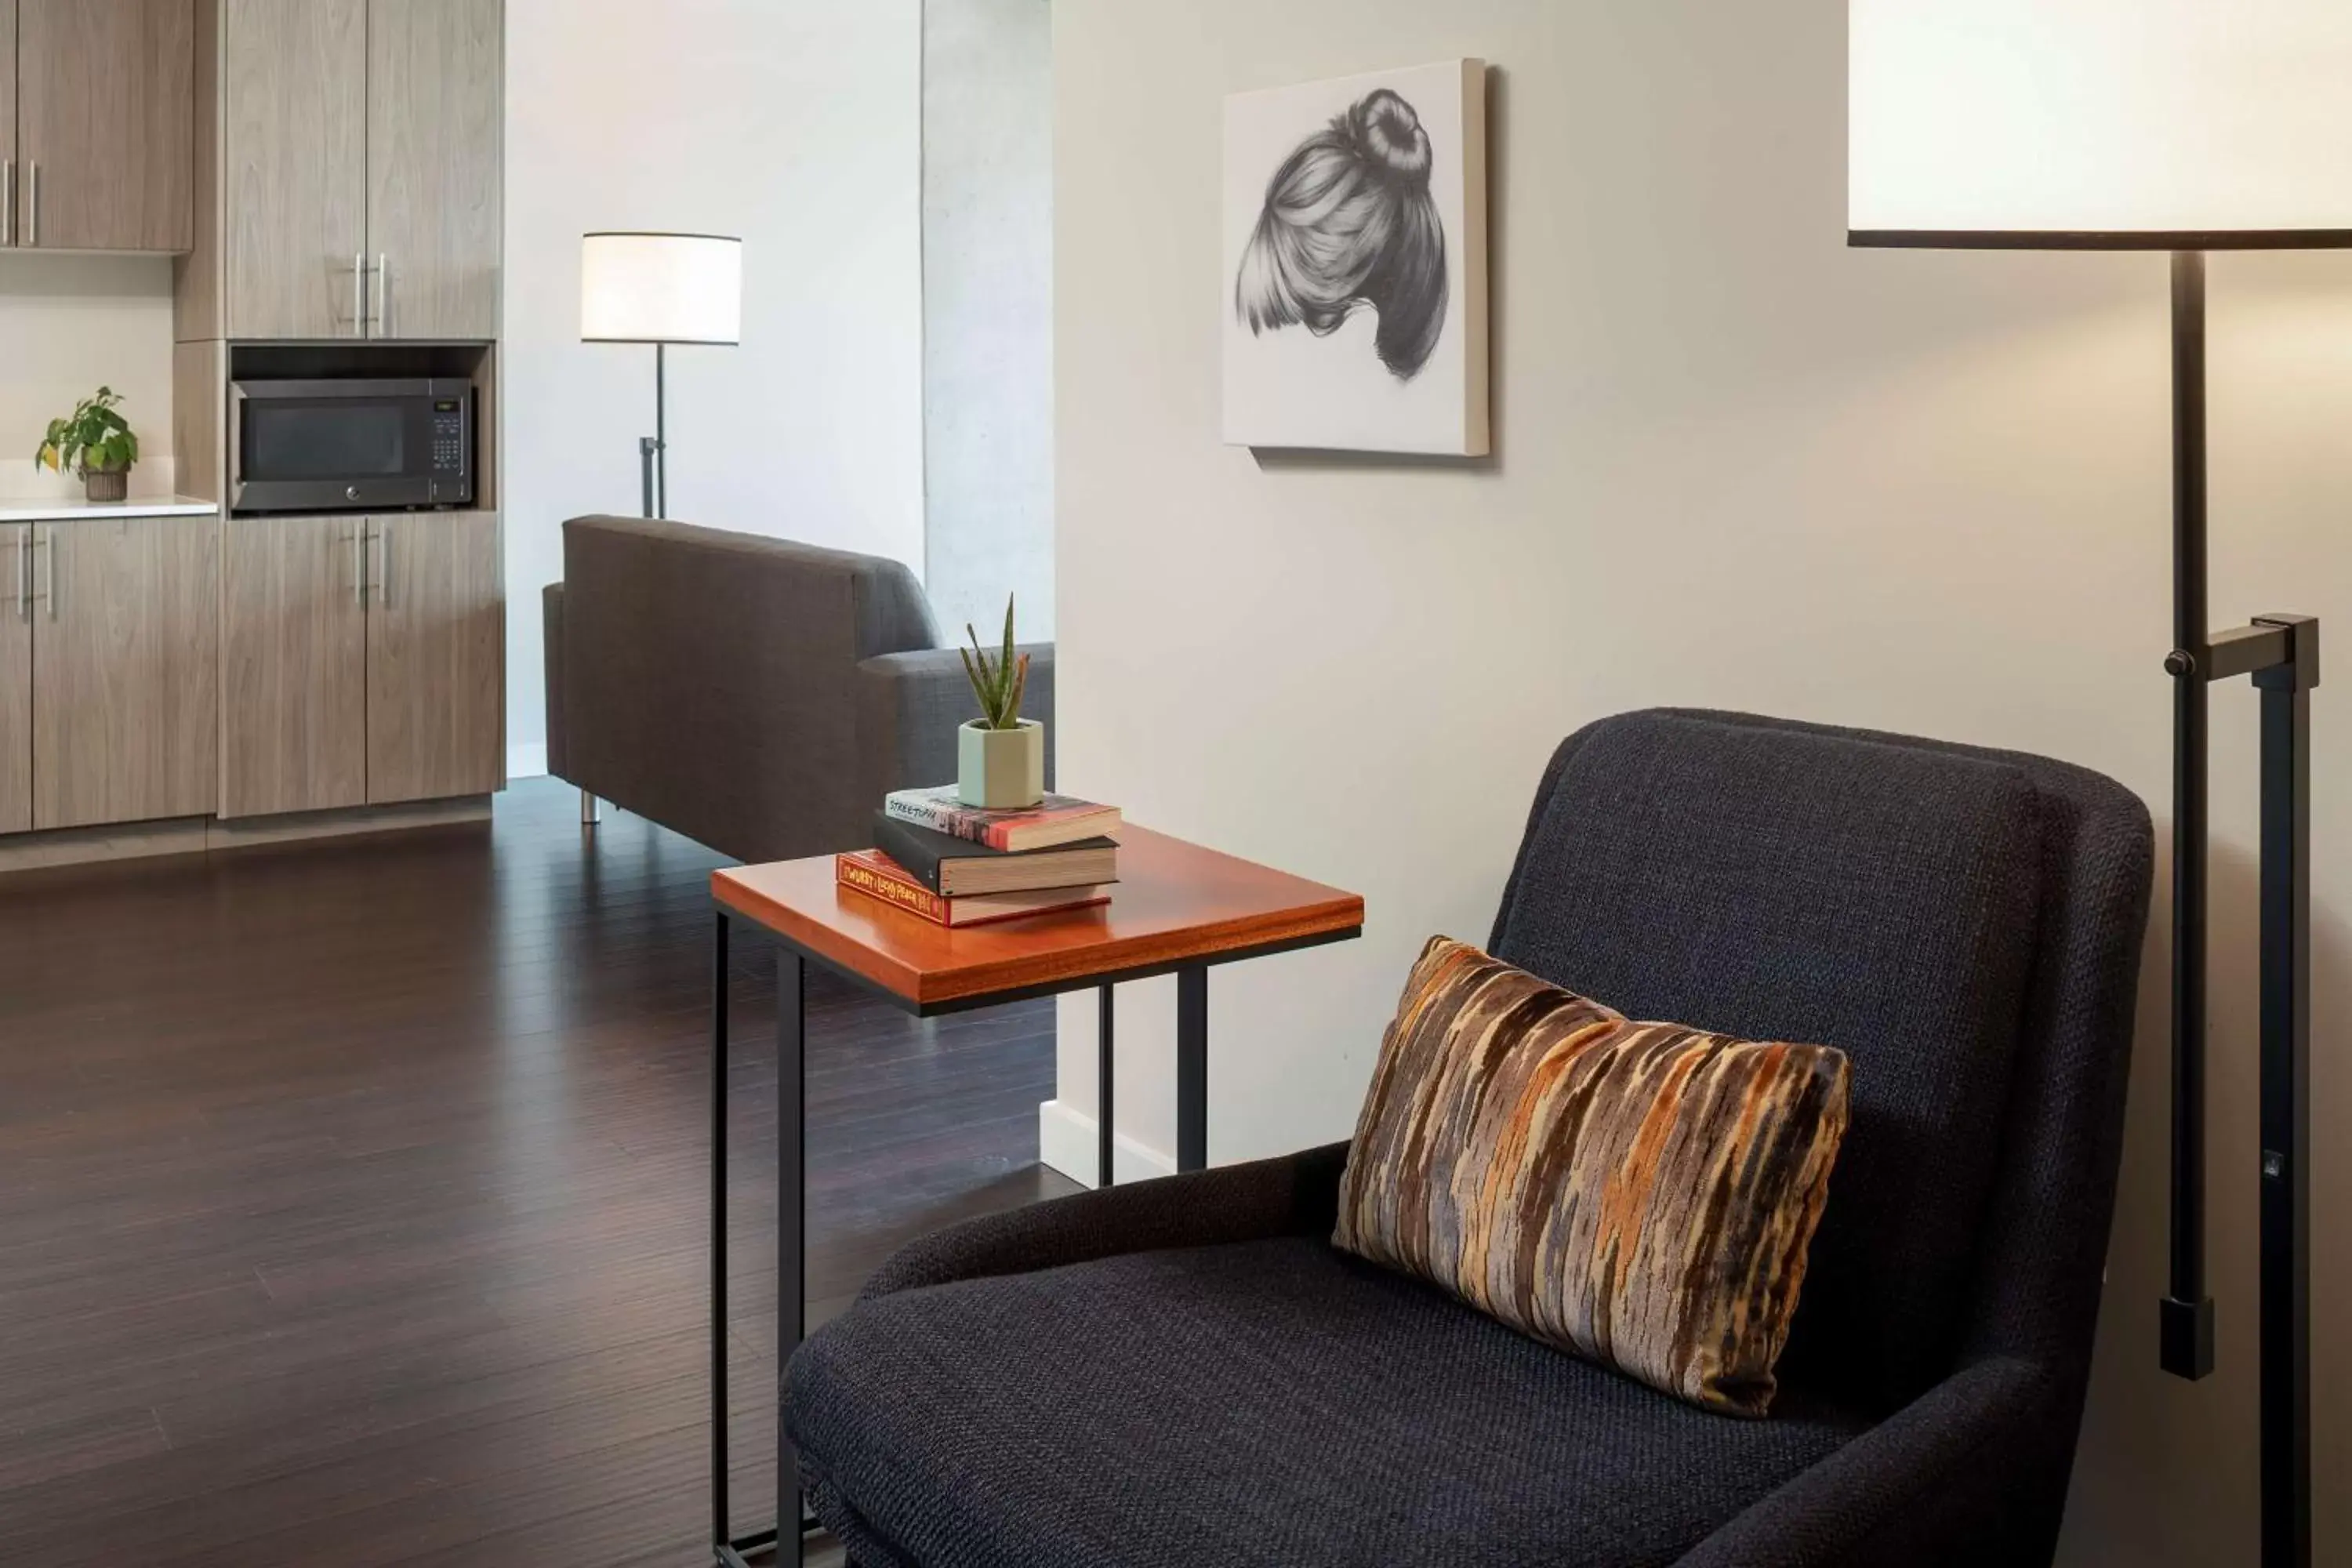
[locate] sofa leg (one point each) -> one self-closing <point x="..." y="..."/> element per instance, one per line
<point x="591" y="810"/>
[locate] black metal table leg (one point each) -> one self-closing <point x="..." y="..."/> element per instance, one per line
<point x="791" y="1215"/>
<point x="718" y="975"/>
<point x="728" y="1550"/>
<point x="1103" y="1099"/>
<point x="1192" y="1068"/>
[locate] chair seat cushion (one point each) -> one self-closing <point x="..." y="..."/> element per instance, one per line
<point x="1264" y="1403"/>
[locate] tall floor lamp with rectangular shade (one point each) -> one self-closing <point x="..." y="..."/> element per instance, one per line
<point x="660" y="289"/>
<point x="2183" y="126"/>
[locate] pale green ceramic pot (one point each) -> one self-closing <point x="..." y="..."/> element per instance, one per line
<point x="1001" y="770"/>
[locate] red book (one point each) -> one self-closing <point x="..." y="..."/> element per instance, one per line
<point x="876" y="876"/>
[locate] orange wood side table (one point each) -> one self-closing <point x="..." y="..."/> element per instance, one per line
<point x="1177" y="909"/>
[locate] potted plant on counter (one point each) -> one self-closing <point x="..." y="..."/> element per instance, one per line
<point x="95" y="443"/>
<point x="1000" y="756"/>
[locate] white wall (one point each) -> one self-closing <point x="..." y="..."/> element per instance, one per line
<point x="988" y="311"/>
<point x="794" y="123"/>
<point x="1739" y="464"/>
<point x="69" y="325"/>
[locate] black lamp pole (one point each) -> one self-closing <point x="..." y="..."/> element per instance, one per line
<point x="653" y="451"/>
<point x="2281" y="655"/>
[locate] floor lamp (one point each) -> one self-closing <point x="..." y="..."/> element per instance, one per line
<point x="2183" y="126"/>
<point x="660" y="289"/>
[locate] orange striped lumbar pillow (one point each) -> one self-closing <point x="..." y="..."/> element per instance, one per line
<point x="1640" y="1194"/>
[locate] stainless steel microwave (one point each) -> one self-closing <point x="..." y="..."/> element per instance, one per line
<point x="364" y="445"/>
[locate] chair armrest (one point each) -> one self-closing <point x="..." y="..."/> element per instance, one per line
<point x="558" y="730"/>
<point x="908" y="708"/>
<point x="1296" y="1194"/>
<point x="1948" y="1478"/>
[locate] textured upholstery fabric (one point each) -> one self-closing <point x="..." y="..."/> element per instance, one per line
<point x="1639" y="1193"/>
<point x="550" y="600"/>
<point x="1784" y="884"/>
<point x="940" y="1441"/>
<point x="1459" y="1429"/>
<point x="754" y="694"/>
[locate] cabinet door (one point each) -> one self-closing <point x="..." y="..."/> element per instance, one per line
<point x="433" y="153"/>
<point x="9" y="167"/>
<point x="16" y="678"/>
<point x="106" y="123"/>
<point x="293" y="666"/>
<point x="294" y="162"/>
<point x="435" y="658"/>
<point x="126" y="650"/>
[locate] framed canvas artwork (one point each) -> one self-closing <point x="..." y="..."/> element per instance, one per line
<point x="1355" y="264"/>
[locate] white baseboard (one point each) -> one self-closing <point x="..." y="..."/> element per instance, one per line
<point x="1065" y="1141"/>
<point x="527" y="761"/>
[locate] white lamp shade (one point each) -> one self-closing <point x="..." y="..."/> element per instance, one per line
<point x="661" y="289"/>
<point x="2120" y="122"/>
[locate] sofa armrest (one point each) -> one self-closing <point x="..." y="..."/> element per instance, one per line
<point x="1295" y="1194"/>
<point x="551" y="601"/>
<point x="910" y="704"/>
<point x="1948" y="1478"/>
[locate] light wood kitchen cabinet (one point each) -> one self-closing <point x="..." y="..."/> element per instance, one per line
<point x="361" y="186"/>
<point x="8" y="169"/>
<point x="125" y="670"/>
<point x="294" y="665"/>
<point x="363" y="661"/>
<point x="433" y="156"/>
<point x="294" y="164"/>
<point x="435" y="661"/>
<point x="104" y="120"/>
<point x="16" y="678"/>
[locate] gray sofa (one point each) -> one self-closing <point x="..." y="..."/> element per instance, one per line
<point x="756" y="695"/>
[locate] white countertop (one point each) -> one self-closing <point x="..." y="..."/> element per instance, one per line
<point x="73" y="509"/>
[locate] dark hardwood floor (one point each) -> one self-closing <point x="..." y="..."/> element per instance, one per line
<point x="352" y="1198"/>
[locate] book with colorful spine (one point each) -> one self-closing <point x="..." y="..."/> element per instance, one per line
<point x="1058" y="819"/>
<point x="876" y="876"/>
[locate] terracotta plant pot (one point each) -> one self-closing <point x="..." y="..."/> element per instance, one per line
<point x="1001" y="770"/>
<point x="106" y="484"/>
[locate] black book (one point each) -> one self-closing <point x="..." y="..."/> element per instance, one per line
<point x="957" y="867"/>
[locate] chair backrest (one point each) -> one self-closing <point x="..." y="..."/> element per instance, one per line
<point x="1965" y="924"/>
<point x="710" y="678"/>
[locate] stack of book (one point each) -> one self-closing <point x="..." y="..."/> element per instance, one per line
<point x="959" y="865"/>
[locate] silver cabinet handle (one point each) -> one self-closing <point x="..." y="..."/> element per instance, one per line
<point x="24" y="573"/>
<point x="32" y="203"/>
<point x="359" y="565"/>
<point x="50" y="568"/>
<point x="7" y="201"/>
<point x="383" y="294"/>
<point x="383" y="563"/>
<point x="359" y="295"/>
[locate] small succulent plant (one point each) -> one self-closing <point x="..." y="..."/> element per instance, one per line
<point x="998" y="680"/>
<point x="92" y="439"/>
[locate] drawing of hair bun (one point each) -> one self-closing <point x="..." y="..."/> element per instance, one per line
<point x="1389" y="135"/>
<point x="1349" y="223"/>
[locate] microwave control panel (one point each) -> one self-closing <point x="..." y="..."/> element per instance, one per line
<point x="449" y="435"/>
